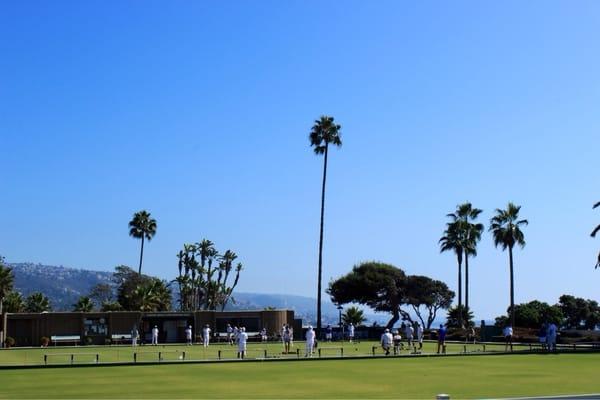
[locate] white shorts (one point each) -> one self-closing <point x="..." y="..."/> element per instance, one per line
<point x="328" y="336"/>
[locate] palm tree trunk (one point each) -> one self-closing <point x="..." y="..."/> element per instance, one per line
<point x="466" y="282"/>
<point x="321" y="244"/>
<point x="460" y="292"/>
<point x="512" y="288"/>
<point x="141" y="256"/>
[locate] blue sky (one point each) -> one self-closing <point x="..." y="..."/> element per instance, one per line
<point x="200" y="112"/>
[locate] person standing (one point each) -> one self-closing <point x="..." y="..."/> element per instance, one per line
<point x="263" y="335"/>
<point x="242" y="341"/>
<point x="310" y="341"/>
<point x="409" y="332"/>
<point x="551" y="336"/>
<point x="134" y="336"/>
<point x="188" y="335"/>
<point x="287" y="339"/>
<point x="542" y="335"/>
<point x="508" y="337"/>
<point x="397" y="341"/>
<point x="351" y="332"/>
<point x="420" y="335"/>
<point x="328" y="333"/>
<point x="206" y="335"/>
<point x="441" y="344"/>
<point x="155" y="335"/>
<point x="230" y="334"/>
<point x="386" y="341"/>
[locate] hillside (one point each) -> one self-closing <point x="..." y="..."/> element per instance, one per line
<point x="64" y="286"/>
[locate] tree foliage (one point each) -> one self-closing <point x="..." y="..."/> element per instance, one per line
<point x="353" y="315"/>
<point x="204" y="276"/>
<point x="14" y="303"/>
<point x="459" y="317"/>
<point x="142" y="226"/>
<point x="579" y="312"/>
<point x="136" y="292"/>
<point x="37" y="302"/>
<point x="424" y="294"/>
<point x="84" y="304"/>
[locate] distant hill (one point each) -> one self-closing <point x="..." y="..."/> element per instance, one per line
<point x="64" y="286"/>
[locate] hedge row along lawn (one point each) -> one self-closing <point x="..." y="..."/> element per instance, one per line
<point x="461" y="377"/>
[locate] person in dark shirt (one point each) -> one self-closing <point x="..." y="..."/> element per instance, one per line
<point x="441" y="345"/>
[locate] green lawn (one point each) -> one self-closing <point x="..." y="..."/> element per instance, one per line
<point x="397" y="377"/>
<point x="86" y="354"/>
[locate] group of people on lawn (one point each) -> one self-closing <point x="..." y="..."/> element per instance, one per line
<point x="413" y="334"/>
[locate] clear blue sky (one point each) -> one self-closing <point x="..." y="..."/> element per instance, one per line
<point x="200" y="112"/>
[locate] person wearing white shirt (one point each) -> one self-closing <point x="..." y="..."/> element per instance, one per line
<point x="409" y="332"/>
<point x="351" y="332"/>
<point x="134" y="336"/>
<point x="386" y="341"/>
<point x="263" y="335"/>
<point x="230" y="334"/>
<point x="155" y="335"/>
<point x="206" y="335"/>
<point x="508" y="337"/>
<point x="188" y="335"/>
<point x="242" y="339"/>
<point x="420" y="335"/>
<point x="310" y="341"/>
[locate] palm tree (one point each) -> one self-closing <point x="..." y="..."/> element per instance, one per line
<point x="142" y="226"/>
<point x="594" y="235"/>
<point x="7" y="280"/>
<point x="84" y="304"/>
<point x="506" y="229"/>
<point x="37" y="303"/>
<point x="324" y="132"/>
<point x="207" y="251"/>
<point x="353" y="315"/>
<point x="471" y="234"/>
<point x="14" y="303"/>
<point x="453" y="241"/>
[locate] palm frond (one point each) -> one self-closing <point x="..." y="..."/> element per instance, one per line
<point x="593" y="234"/>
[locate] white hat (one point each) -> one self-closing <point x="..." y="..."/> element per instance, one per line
<point x="387" y="330"/>
<point x="310" y="327"/>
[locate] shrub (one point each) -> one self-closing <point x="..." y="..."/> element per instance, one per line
<point x="44" y="341"/>
<point x="9" y="342"/>
<point x="88" y="341"/>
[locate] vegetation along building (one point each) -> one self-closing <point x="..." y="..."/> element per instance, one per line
<point x="28" y="329"/>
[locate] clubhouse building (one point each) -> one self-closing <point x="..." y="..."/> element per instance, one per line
<point x="28" y="329"/>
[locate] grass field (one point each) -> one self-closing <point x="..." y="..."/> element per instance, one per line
<point x="397" y="377"/>
<point x="86" y="354"/>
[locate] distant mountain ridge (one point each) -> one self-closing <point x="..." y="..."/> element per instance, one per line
<point x="64" y="285"/>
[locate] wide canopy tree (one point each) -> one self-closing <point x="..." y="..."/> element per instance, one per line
<point x="378" y="285"/>
<point x="431" y="294"/>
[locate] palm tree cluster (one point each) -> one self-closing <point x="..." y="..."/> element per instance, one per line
<point x="596" y="230"/>
<point x="204" y="275"/>
<point x="462" y="235"/>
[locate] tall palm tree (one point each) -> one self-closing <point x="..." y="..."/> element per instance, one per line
<point x="323" y="133"/>
<point x="506" y="229"/>
<point x="594" y="235"/>
<point x="142" y="226"/>
<point x="453" y="241"/>
<point x="7" y="280"/>
<point x="207" y="252"/>
<point x="471" y="235"/>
